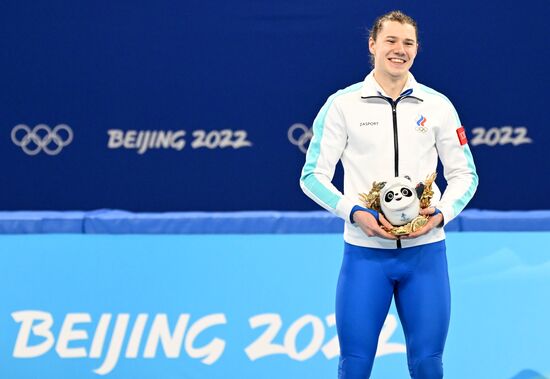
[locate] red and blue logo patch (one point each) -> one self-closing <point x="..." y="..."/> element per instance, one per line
<point x="421" y="121"/>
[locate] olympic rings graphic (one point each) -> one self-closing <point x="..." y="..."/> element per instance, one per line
<point x="42" y="138"/>
<point x="300" y="135"/>
<point x="421" y="129"/>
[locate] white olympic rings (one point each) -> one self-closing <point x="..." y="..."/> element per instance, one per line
<point x="304" y="137"/>
<point x="42" y="138"/>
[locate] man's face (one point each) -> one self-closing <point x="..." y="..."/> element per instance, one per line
<point x="394" y="49"/>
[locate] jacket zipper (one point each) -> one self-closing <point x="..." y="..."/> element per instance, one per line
<point x="395" y="134"/>
<point x="395" y="137"/>
<point x="393" y="105"/>
<point x="395" y="144"/>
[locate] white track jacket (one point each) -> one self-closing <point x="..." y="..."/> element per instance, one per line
<point x="377" y="138"/>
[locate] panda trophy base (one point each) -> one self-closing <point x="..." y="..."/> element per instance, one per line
<point x="372" y="201"/>
<point x="412" y="226"/>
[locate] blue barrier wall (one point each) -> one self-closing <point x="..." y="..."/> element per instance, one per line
<point x="108" y="221"/>
<point x="254" y="306"/>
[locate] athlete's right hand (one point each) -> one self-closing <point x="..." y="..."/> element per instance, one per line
<point x="369" y="225"/>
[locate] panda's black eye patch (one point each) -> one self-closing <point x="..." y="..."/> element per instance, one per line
<point x="406" y="192"/>
<point x="388" y="197"/>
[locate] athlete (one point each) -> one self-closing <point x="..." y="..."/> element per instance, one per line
<point x="387" y="126"/>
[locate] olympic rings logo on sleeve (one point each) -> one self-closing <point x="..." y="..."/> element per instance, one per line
<point x="42" y="138"/>
<point x="300" y="135"/>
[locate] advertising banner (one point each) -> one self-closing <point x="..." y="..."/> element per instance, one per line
<point x="256" y="306"/>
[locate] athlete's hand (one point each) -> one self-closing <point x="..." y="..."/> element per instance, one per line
<point x="368" y="224"/>
<point x="433" y="222"/>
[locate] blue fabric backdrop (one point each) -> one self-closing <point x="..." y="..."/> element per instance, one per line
<point x="187" y="105"/>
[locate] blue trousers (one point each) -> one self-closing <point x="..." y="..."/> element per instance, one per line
<point x="418" y="279"/>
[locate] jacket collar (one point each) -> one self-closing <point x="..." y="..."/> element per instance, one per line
<point x="372" y="88"/>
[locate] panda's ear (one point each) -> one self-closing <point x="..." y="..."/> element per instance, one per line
<point x="408" y="177"/>
<point x="420" y="189"/>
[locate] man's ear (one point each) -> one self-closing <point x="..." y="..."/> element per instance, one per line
<point x="371" y="45"/>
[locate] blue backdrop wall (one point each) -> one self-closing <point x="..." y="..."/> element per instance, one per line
<point x="204" y="105"/>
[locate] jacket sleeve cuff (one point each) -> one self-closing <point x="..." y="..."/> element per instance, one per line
<point x="344" y="208"/>
<point x="448" y="214"/>
<point x="437" y="211"/>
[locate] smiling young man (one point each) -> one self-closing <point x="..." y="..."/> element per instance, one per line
<point x="388" y="126"/>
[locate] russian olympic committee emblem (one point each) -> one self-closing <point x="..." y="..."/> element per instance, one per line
<point x="420" y="122"/>
<point x="42" y="138"/>
<point x="300" y="135"/>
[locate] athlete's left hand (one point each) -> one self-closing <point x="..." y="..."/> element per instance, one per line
<point x="433" y="222"/>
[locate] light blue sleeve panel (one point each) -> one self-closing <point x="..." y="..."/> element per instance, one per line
<point x="324" y="152"/>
